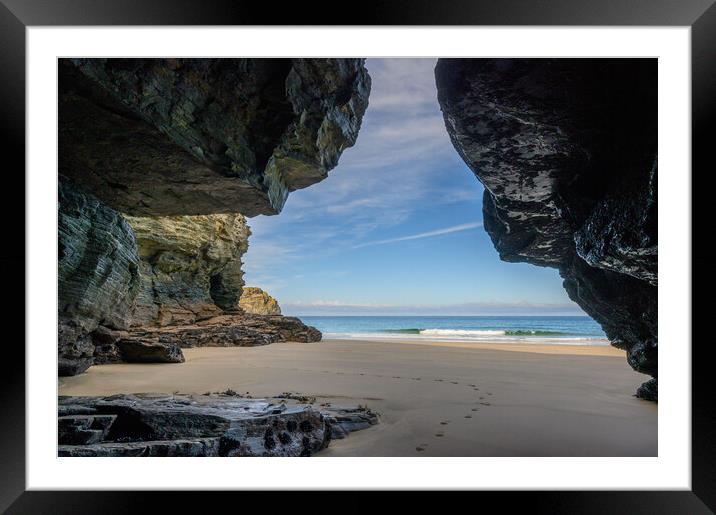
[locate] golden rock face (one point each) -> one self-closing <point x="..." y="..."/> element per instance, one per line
<point x="258" y="302"/>
<point x="190" y="266"/>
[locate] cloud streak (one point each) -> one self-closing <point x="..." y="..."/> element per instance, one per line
<point x="428" y="234"/>
<point x="518" y="308"/>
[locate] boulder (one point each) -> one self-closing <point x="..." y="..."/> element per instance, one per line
<point x="566" y="150"/>
<point x="136" y="350"/>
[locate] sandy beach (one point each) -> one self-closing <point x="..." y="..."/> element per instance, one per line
<point x="434" y="398"/>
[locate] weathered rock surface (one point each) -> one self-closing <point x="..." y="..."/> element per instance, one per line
<point x="98" y="274"/>
<point x="158" y="137"/>
<point x="232" y="329"/>
<point x="203" y="425"/>
<point x="190" y="266"/>
<point x="190" y="447"/>
<point x="257" y="302"/>
<point x="346" y="420"/>
<point x="566" y="149"/>
<point x="80" y="429"/>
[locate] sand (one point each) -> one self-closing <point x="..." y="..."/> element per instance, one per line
<point x="434" y="398"/>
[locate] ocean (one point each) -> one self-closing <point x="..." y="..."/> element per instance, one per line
<point x="571" y="330"/>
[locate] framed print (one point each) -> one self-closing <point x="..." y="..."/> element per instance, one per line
<point x="415" y="249"/>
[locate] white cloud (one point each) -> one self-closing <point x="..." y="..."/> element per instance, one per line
<point x="428" y="234"/>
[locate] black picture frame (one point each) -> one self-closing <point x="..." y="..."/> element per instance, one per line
<point x="17" y="15"/>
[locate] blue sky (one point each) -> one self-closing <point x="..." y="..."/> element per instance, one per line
<point x="396" y="228"/>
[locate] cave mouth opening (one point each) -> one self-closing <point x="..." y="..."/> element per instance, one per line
<point x="222" y="296"/>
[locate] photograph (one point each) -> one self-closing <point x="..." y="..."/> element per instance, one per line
<point x="304" y="259"/>
<point x="357" y="256"/>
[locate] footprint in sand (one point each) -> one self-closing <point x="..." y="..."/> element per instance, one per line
<point x="475" y="409"/>
<point x="444" y="422"/>
<point x="440" y="434"/>
<point x="438" y="380"/>
<point x="454" y="382"/>
<point x="468" y="416"/>
<point x="485" y="403"/>
<point x="481" y="398"/>
<point x="421" y="447"/>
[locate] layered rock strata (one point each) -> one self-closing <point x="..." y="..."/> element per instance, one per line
<point x="158" y="137"/>
<point x="257" y="302"/>
<point x="566" y="150"/>
<point x="98" y="274"/>
<point x="201" y="425"/>
<point x="231" y="329"/>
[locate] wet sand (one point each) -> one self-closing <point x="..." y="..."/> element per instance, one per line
<point x="434" y="398"/>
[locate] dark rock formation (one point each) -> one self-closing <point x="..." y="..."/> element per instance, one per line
<point x="205" y="425"/>
<point x="189" y="447"/>
<point x="566" y="149"/>
<point x="232" y="329"/>
<point x="155" y="137"/>
<point x="80" y="429"/>
<point x="98" y="274"/>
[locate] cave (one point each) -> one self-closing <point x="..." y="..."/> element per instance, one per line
<point x="566" y="150"/>
<point x="222" y="297"/>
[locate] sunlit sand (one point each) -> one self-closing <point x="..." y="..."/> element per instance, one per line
<point x="434" y="398"/>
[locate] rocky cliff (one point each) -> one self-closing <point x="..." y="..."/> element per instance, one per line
<point x="258" y="302"/>
<point x="190" y="266"/>
<point x="566" y="150"/>
<point x="157" y="158"/>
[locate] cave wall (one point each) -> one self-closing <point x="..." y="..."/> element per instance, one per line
<point x="98" y="274"/>
<point x="566" y="150"/>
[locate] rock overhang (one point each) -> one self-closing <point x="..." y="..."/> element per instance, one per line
<point x="163" y="137"/>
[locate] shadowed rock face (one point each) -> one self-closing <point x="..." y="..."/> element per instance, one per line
<point x="157" y="137"/>
<point x="566" y="149"/>
<point x="98" y="274"/>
